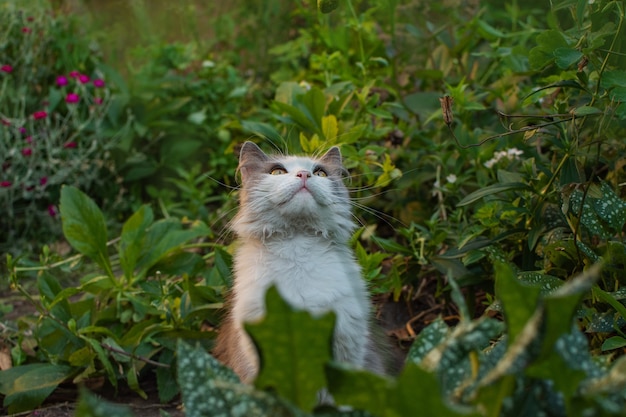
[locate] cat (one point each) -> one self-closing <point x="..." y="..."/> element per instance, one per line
<point x="293" y="227"/>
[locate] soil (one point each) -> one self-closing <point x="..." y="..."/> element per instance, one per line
<point x="401" y="321"/>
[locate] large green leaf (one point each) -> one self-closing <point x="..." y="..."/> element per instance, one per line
<point x="294" y="349"/>
<point x="429" y="338"/>
<point x="164" y="237"/>
<point x="84" y="226"/>
<point x="210" y="389"/>
<point x="416" y="392"/>
<point x="519" y="301"/>
<point x="26" y="387"/>
<point x="133" y="238"/>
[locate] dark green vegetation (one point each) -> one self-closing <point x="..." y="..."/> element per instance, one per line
<point x="486" y="146"/>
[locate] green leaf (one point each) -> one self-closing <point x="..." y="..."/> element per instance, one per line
<point x="90" y="405"/>
<point x="133" y="238"/>
<point x="165" y="236"/>
<point x="26" y="387"/>
<point x="166" y="377"/>
<point x="615" y="342"/>
<point x="428" y="339"/>
<point x="415" y="392"/>
<point x="518" y="300"/>
<point x="329" y="127"/>
<point x="210" y="389"/>
<point x="611" y="79"/>
<point x="586" y="111"/>
<point x="565" y="57"/>
<point x="84" y="226"/>
<point x="544" y="53"/>
<point x="294" y="347"/>
<point x="561" y="306"/>
<point x="490" y="190"/>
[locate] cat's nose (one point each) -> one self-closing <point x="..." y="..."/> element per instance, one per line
<point x="303" y="174"/>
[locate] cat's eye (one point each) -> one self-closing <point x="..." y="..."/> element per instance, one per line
<point x="278" y="171"/>
<point x="320" y="172"/>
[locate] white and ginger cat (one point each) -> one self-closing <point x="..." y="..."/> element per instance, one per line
<point x="293" y="228"/>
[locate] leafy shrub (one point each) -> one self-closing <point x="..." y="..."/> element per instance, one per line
<point x="180" y="148"/>
<point x="539" y="365"/>
<point x="123" y="317"/>
<point x="56" y="122"/>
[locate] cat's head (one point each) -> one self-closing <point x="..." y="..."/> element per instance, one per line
<point x="285" y="195"/>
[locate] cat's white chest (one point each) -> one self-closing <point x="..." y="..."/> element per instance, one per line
<point x="310" y="273"/>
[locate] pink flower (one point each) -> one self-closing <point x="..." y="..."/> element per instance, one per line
<point x="61" y="80"/>
<point x="28" y="139"/>
<point x="97" y="100"/>
<point x="98" y="83"/>
<point x="52" y="211"/>
<point x="5" y="122"/>
<point x="74" y="74"/>
<point x="26" y="30"/>
<point x="84" y="79"/>
<point x="6" y="68"/>
<point x="5" y="184"/>
<point x="43" y="181"/>
<point x="22" y="130"/>
<point x="72" y="98"/>
<point x="70" y="145"/>
<point x="27" y="151"/>
<point x="40" y="115"/>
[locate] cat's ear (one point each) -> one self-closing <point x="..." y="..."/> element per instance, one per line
<point x="332" y="160"/>
<point x="251" y="159"/>
<point x="251" y="152"/>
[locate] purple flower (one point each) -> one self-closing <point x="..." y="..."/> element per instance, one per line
<point x="98" y="83"/>
<point x="43" y="181"/>
<point x="28" y="139"/>
<point x="22" y="130"/>
<point x="6" y="68"/>
<point x="72" y="98"/>
<point x="97" y="100"/>
<point x="74" y="74"/>
<point x="52" y="211"/>
<point x="84" y="79"/>
<point x="26" y="29"/>
<point x="70" y="145"/>
<point x="5" y="184"/>
<point x="61" y="80"/>
<point x="27" y="151"/>
<point x="40" y="115"/>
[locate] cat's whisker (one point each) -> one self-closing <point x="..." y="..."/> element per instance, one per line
<point x="223" y="184"/>
<point x="384" y="217"/>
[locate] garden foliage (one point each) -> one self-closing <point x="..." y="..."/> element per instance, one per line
<point x="485" y="142"/>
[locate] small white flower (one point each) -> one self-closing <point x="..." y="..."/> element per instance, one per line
<point x="436" y="187"/>
<point x="451" y="178"/>
<point x="305" y="85"/>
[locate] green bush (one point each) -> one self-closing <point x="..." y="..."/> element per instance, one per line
<point x="485" y="143"/>
<point x="57" y="125"/>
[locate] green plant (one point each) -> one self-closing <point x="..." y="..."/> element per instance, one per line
<point x="535" y="362"/>
<point x="123" y="316"/>
<point x="57" y="122"/>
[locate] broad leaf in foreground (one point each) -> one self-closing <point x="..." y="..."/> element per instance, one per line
<point x="294" y="349"/>
<point x="209" y="389"/>
<point x="26" y="387"/>
<point x="415" y="392"/>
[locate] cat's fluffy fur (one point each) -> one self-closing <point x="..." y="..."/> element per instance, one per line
<point x="293" y="227"/>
